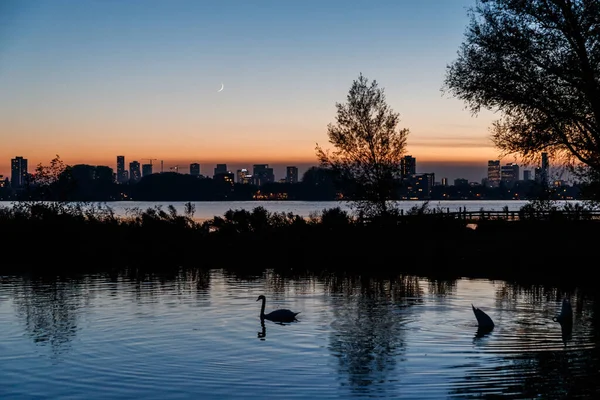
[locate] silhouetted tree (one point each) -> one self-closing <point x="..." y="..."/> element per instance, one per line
<point x="318" y="184"/>
<point x="48" y="174"/>
<point x="369" y="147"/>
<point x="538" y="63"/>
<point x="53" y="182"/>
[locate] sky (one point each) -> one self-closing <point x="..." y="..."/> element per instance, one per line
<point x="92" y="79"/>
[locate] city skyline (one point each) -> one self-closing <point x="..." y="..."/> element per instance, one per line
<point x="280" y="170"/>
<point x="95" y="79"/>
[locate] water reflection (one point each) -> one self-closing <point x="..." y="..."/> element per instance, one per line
<point x="533" y="365"/>
<point x="139" y="334"/>
<point x="50" y="308"/>
<point x="441" y="289"/>
<point x="368" y="332"/>
<point x="262" y="334"/>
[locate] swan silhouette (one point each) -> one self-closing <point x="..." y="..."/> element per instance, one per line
<point x="566" y="313"/>
<point x="565" y="319"/>
<point x="483" y="320"/>
<point x="281" y="315"/>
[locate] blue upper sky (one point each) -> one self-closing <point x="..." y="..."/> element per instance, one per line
<point x="93" y="78"/>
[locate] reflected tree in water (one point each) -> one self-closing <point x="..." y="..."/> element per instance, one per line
<point x="544" y="374"/>
<point x="368" y="327"/>
<point x="50" y="309"/>
<point x="537" y="372"/>
<point x="151" y="286"/>
<point x="544" y="303"/>
<point x="441" y="288"/>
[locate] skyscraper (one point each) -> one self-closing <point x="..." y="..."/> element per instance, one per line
<point x="220" y="169"/>
<point x="243" y="176"/>
<point x="121" y="171"/>
<point x="493" y="175"/>
<point x="408" y="166"/>
<point x="195" y="169"/>
<point x="18" y="169"/>
<point x="134" y="171"/>
<point x="545" y="169"/>
<point x="146" y="169"/>
<point x="291" y="174"/>
<point x="509" y="174"/>
<point x="261" y="174"/>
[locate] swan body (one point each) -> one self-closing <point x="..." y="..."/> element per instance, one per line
<point x="566" y="313"/>
<point x="281" y="315"/>
<point x="484" y="320"/>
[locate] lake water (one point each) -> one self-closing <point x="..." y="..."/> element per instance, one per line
<point x="197" y="335"/>
<point x="209" y="209"/>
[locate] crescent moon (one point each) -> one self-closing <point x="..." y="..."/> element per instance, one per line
<point x="222" y="87"/>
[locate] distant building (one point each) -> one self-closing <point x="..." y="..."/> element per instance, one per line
<point x="419" y="186"/>
<point x="526" y="174"/>
<point x="461" y="182"/>
<point x="545" y="170"/>
<point x="122" y="174"/>
<point x="444" y="181"/>
<point x="243" y="176"/>
<point x="19" y="176"/>
<point x="227" y="177"/>
<point x="134" y="171"/>
<point x="291" y="175"/>
<point x="261" y="174"/>
<point x="195" y="169"/>
<point x="220" y="169"/>
<point x="493" y="173"/>
<point x="408" y="166"/>
<point x="509" y="174"/>
<point x="146" y="169"/>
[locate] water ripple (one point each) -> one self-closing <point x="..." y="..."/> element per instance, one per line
<point x="198" y="335"/>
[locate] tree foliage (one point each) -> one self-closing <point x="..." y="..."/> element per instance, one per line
<point x="538" y="63"/>
<point x="54" y="181"/>
<point x="368" y="147"/>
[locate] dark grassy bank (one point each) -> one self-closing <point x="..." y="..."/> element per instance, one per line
<point x="74" y="237"/>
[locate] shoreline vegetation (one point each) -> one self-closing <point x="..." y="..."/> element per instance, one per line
<point x="548" y="243"/>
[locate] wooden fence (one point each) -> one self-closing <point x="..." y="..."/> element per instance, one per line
<point x="469" y="216"/>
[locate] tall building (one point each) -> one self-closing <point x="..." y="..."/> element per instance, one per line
<point x="243" y="176"/>
<point x="220" y="169"/>
<point x="545" y="169"/>
<point x="408" y="166"/>
<point x="122" y="174"/>
<point x="444" y="181"/>
<point x="261" y="174"/>
<point x="291" y="174"/>
<point x="493" y="174"/>
<point x="418" y="186"/>
<point x="146" y="169"/>
<point x="195" y="169"/>
<point x="526" y="174"/>
<point x="134" y="171"/>
<point x="509" y="174"/>
<point x="18" y="169"/>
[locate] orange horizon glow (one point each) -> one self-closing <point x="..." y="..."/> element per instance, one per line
<point x="440" y="155"/>
<point x="300" y="149"/>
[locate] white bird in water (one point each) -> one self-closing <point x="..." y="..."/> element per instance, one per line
<point x="281" y="315"/>
<point x="484" y="320"/>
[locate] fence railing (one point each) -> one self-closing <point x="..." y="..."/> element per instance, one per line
<point x="506" y="215"/>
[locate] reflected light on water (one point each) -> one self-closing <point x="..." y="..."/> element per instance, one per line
<point x="197" y="334"/>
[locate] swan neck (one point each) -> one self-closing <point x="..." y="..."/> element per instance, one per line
<point x="262" y="308"/>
